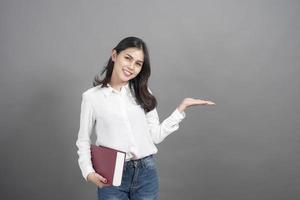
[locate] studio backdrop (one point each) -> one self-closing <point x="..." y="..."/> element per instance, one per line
<point x="242" y="55"/>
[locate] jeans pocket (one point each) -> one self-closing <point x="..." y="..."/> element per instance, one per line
<point x="150" y="163"/>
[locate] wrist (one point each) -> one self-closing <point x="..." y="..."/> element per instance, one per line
<point x="181" y="108"/>
<point x="88" y="177"/>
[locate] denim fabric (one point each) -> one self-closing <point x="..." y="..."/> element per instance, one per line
<point x="140" y="182"/>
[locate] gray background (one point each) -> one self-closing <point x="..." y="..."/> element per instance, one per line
<point x="243" y="55"/>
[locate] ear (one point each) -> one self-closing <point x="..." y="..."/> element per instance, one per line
<point x="113" y="55"/>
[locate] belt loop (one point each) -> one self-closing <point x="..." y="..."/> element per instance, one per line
<point x="135" y="163"/>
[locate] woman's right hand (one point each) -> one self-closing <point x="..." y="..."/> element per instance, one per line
<point x="97" y="179"/>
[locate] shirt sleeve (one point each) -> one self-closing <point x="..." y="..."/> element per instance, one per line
<point x="159" y="131"/>
<point x="83" y="141"/>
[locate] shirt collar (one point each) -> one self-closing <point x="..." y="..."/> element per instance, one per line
<point x="110" y="90"/>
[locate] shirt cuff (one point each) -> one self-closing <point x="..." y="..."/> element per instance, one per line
<point x="87" y="172"/>
<point x="179" y="115"/>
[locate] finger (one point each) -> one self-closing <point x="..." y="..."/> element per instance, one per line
<point x="200" y="101"/>
<point x="102" y="179"/>
<point x="211" y="103"/>
<point x="97" y="181"/>
<point x="206" y="102"/>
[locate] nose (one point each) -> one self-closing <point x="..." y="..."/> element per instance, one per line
<point x="131" y="66"/>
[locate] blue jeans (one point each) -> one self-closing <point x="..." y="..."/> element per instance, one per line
<point x="140" y="182"/>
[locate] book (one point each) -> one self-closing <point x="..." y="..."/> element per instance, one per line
<point x="109" y="163"/>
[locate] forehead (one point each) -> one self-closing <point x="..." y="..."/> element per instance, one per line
<point x="136" y="53"/>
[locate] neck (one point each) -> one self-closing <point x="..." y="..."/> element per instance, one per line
<point x="117" y="84"/>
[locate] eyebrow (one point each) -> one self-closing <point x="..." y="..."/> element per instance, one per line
<point x="132" y="57"/>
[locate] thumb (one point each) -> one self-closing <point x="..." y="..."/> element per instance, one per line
<point x="101" y="178"/>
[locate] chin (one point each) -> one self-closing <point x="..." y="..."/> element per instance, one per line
<point x="126" y="78"/>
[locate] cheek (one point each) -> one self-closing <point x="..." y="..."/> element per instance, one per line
<point x="124" y="62"/>
<point x="119" y="63"/>
<point x="118" y="66"/>
<point x="138" y="71"/>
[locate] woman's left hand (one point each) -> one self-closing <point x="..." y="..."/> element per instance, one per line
<point x="187" y="102"/>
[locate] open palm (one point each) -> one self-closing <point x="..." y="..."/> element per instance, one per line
<point x="192" y="102"/>
<point x="187" y="102"/>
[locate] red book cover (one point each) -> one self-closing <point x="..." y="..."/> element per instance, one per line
<point x="109" y="163"/>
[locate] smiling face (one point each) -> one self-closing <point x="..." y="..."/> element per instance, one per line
<point x="127" y="64"/>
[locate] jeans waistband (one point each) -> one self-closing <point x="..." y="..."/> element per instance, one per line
<point x="138" y="162"/>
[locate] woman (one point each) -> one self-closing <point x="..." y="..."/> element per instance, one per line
<point x="122" y="109"/>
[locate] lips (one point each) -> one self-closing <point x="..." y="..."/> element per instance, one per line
<point x="127" y="73"/>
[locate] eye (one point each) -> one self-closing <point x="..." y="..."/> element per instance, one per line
<point x="127" y="58"/>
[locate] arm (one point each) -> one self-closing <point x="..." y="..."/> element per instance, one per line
<point x="159" y="131"/>
<point x="83" y="141"/>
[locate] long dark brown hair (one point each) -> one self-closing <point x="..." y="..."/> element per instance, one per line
<point x="138" y="85"/>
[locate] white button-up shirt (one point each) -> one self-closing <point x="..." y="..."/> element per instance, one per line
<point x="120" y="123"/>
